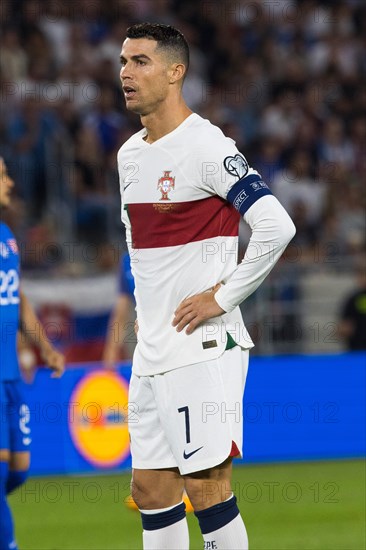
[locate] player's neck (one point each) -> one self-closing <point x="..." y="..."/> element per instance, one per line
<point x="164" y="120"/>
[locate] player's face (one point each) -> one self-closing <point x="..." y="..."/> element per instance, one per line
<point x="6" y="185"/>
<point x="144" y="75"/>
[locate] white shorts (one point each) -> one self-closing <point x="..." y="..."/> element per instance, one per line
<point x="190" y="417"/>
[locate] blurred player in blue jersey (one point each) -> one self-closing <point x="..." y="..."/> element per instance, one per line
<point x="120" y="332"/>
<point x="16" y="313"/>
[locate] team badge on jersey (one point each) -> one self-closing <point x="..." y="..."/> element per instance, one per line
<point x="236" y="166"/>
<point x="165" y="185"/>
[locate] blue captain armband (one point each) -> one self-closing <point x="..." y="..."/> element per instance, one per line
<point x="245" y="192"/>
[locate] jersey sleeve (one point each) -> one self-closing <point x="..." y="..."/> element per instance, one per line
<point x="125" y="285"/>
<point x="224" y="171"/>
<point x="120" y="178"/>
<point x="272" y="230"/>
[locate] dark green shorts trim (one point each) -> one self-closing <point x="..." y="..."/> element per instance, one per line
<point x="230" y="343"/>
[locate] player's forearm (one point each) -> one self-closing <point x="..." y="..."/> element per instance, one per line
<point x="272" y="230"/>
<point x="113" y="344"/>
<point x="31" y="326"/>
<point x="119" y="327"/>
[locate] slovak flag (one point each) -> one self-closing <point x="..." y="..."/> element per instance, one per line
<point x="12" y="244"/>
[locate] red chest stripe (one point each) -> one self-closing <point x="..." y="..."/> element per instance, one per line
<point x="157" y="225"/>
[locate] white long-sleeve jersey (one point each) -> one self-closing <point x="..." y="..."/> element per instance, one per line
<point x="182" y="197"/>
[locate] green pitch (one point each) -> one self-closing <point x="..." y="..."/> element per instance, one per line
<point x="312" y="505"/>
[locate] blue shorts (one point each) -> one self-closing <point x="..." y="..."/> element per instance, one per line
<point x="15" y="432"/>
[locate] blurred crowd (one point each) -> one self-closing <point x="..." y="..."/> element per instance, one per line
<point x="282" y="78"/>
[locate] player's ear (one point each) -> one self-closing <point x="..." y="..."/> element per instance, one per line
<point x="177" y="71"/>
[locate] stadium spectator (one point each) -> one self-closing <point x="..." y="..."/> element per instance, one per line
<point x="334" y="148"/>
<point x="30" y="133"/>
<point x="106" y="121"/>
<point x="13" y="59"/>
<point x="90" y="205"/>
<point x="263" y="87"/>
<point x="296" y="184"/>
<point x="352" y="324"/>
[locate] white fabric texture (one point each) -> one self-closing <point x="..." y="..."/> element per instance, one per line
<point x="182" y="236"/>
<point x="212" y="391"/>
<point x="173" y="537"/>
<point x="233" y="536"/>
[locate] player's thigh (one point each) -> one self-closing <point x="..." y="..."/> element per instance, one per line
<point x="15" y="431"/>
<point x="150" y="448"/>
<point x="19" y="422"/>
<point x="154" y="489"/>
<point x="200" y="407"/>
<point x="4" y="425"/>
<point x="234" y="368"/>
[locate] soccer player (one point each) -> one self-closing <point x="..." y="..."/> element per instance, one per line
<point x="184" y="186"/>
<point x="15" y="313"/>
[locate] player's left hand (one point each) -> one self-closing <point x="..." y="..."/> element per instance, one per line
<point x="194" y="310"/>
<point x="55" y="361"/>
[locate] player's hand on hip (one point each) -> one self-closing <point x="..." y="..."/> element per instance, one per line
<point x="196" y="309"/>
<point x="55" y="361"/>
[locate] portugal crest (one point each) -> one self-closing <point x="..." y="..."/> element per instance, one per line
<point x="165" y="184"/>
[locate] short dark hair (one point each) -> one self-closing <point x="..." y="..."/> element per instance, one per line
<point x="167" y="37"/>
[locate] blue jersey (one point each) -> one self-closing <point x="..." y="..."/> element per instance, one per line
<point x="9" y="304"/>
<point x="126" y="280"/>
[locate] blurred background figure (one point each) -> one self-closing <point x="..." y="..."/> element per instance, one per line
<point x="121" y="338"/>
<point x="352" y="324"/>
<point x="16" y="317"/>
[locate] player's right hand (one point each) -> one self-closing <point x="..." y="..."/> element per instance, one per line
<point x="55" y="361"/>
<point x="196" y="309"/>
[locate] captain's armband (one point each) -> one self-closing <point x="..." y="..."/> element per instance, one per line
<point x="245" y="192"/>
